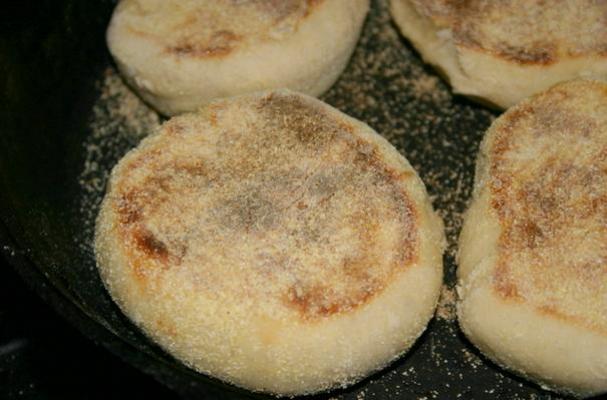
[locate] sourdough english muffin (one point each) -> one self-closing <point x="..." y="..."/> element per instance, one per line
<point x="179" y="55"/>
<point x="504" y="51"/>
<point x="533" y="248"/>
<point x="272" y="242"/>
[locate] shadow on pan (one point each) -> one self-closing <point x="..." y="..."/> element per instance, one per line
<point x="66" y="118"/>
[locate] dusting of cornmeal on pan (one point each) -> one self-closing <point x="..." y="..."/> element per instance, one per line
<point x="387" y="86"/>
<point x="446" y="304"/>
<point x="119" y="121"/>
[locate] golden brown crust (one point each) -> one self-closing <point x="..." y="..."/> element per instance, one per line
<point x="548" y="179"/>
<point x="300" y="212"/>
<point x="214" y="29"/>
<point x="526" y="32"/>
<point x="220" y="43"/>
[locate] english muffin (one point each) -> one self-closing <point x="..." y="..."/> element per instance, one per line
<point x="179" y="55"/>
<point x="272" y="242"/>
<point x="501" y="52"/>
<point x="533" y="248"/>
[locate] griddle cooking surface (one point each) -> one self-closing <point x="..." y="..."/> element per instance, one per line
<point x="385" y="85"/>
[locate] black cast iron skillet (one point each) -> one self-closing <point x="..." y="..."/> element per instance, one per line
<point x="53" y="60"/>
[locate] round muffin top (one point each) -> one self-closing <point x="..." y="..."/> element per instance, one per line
<point x="205" y="29"/>
<point x="523" y="31"/>
<point x="548" y="179"/>
<point x="275" y="204"/>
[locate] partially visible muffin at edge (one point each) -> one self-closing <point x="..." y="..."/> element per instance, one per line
<point x="500" y="52"/>
<point x="533" y="248"/>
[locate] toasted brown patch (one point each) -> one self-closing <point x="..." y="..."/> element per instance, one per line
<point x="549" y="188"/>
<point x="275" y="200"/>
<point x="526" y="32"/>
<point x="537" y="53"/>
<point x="220" y="43"/>
<point x="150" y="245"/>
<point x="128" y="210"/>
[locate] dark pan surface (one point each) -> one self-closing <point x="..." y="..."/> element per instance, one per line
<point x="66" y="119"/>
